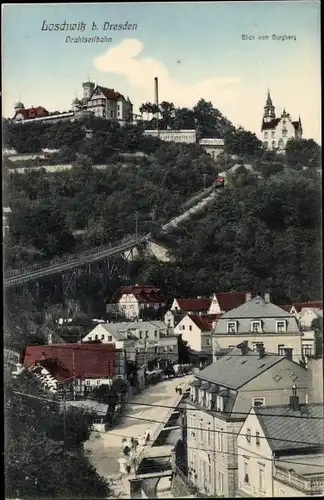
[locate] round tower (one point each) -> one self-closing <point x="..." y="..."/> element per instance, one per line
<point x="18" y="106"/>
<point x="76" y="104"/>
<point x="88" y="88"/>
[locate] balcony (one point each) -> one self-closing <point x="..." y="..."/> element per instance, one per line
<point x="250" y="490"/>
<point x="310" y="486"/>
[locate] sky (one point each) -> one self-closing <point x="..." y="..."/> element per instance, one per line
<point x="195" y="49"/>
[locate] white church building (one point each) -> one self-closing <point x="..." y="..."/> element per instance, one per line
<point x="276" y="131"/>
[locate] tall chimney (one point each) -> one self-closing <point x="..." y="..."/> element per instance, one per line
<point x="267" y="298"/>
<point x="248" y="296"/>
<point x="156" y="95"/>
<point x="294" y="399"/>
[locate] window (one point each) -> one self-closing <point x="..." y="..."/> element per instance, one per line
<point x="256" y="326"/>
<point x="273" y="135"/>
<point x="140" y="335"/>
<point x="266" y="144"/>
<point x="220" y="403"/>
<point x="208" y="341"/>
<point x="281" y="326"/>
<point x="246" y="471"/>
<point x="98" y="382"/>
<point x="170" y="348"/>
<point x="190" y="328"/>
<point x="307" y="349"/>
<point x="209" y="437"/>
<point x="266" y="135"/>
<point x="261" y="477"/>
<point x="257" y="438"/>
<point x="258" y="402"/>
<point x="165" y="349"/>
<point x="220" y="441"/>
<point x="88" y="382"/>
<point x="273" y="144"/>
<point x="155" y="333"/>
<point x="102" y="337"/>
<point x="231" y="327"/>
<point x="97" y="421"/>
<point x="281" y="350"/>
<point x="248" y="435"/>
<point x="201" y="432"/>
<point x="220" y="482"/>
<point x="146" y="334"/>
<point x="90" y="338"/>
<point x="96" y="337"/>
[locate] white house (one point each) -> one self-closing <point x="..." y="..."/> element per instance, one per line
<point x="289" y="465"/>
<point x="130" y="301"/>
<point x="258" y="321"/>
<point x="306" y="313"/>
<point x="196" y="330"/>
<point x="106" y="103"/>
<point x="212" y="146"/>
<point x="277" y="131"/>
<point x="220" y="398"/>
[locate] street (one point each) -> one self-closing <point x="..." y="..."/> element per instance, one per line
<point x="106" y="448"/>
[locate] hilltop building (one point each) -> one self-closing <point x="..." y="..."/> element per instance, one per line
<point x="96" y="100"/>
<point x="276" y="131"/>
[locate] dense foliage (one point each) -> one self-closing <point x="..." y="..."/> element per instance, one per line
<point x="261" y="233"/>
<point x="44" y="446"/>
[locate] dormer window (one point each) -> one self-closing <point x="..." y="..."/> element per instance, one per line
<point x="231" y="326"/>
<point x="256" y="326"/>
<point x="281" y="326"/>
<point x="266" y="135"/>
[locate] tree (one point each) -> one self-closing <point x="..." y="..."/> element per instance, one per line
<point x="303" y="153"/>
<point x="183" y="351"/>
<point x="242" y="142"/>
<point x="317" y="326"/>
<point x="45" y="456"/>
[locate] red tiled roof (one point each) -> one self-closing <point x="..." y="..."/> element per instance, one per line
<point x="194" y="304"/>
<point x="145" y="294"/>
<point x="30" y="113"/>
<point x="110" y="94"/>
<point x="230" y="300"/>
<point x="66" y="361"/>
<point x="270" y="125"/>
<point x="204" y="321"/>
<point x="311" y="305"/>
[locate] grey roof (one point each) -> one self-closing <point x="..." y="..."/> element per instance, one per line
<point x="292" y="433"/>
<point x="113" y="329"/>
<point x="257" y="308"/>
<point x="234" y="369"/>
<point x="303" y="464"/>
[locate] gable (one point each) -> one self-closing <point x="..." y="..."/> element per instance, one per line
<point x="252" y="422"/>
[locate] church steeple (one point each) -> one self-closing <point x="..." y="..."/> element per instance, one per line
<point x="269" y="109"/>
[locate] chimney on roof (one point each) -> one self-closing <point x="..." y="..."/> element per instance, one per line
<point x="261" y="351"/>
<point x="267" y="298"/>
<point x="288" y="353"/>
<point x="294" y="399"/>
<point x="244" y="346"/>
<point x="248" y="296"/>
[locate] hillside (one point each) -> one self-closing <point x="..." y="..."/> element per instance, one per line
<point x="260" y="233"/>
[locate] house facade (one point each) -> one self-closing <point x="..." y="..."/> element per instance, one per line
<point x="106" y="103"/>
<point x="291" y="465"/>
<point x="143" y="341"/>
<point x="131" y="301"/>
<point x="196" y="330"/>
<point x="258" y="321"/>
<point x="277" y="131"/>
<point x="221" y="396"/>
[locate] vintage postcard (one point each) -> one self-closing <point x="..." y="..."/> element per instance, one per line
<point x="163" y="310"/>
